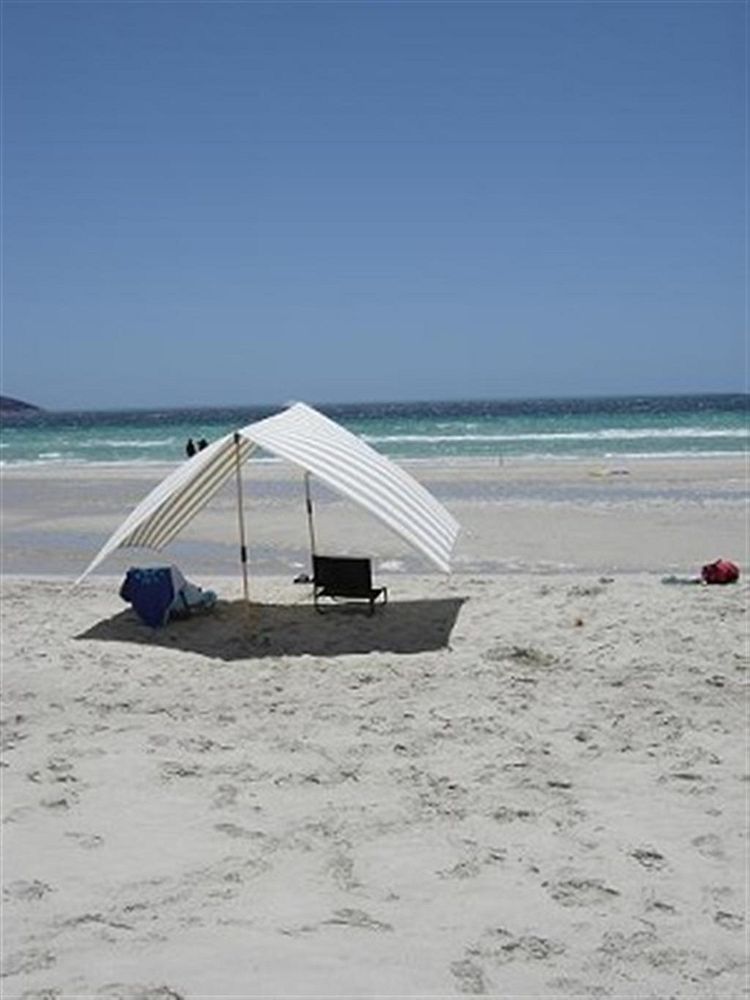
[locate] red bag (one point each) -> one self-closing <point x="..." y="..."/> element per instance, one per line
<point x="721" y="571"/>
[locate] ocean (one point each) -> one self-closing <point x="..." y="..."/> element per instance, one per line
<point x="530" y="429"/>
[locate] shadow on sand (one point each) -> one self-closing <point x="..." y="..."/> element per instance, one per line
<point x="237" y="631"/>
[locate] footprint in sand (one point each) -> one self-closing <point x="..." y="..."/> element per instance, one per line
<point x="469" y="977"/>
<point x="341" y="870"/>
<point x="509" y="814"/>
<point x="709" y="846"/>
<point x="121" y="991"/>
<point x="57" y="771"/>
<point x="27" y="891"/>
<point x="96" y="918"/>
<point x="478" y="858"/>
<point x="12" y="734"/>
<point x="33" y="960"/>
<point x="89" y="841"/>
<point x="730" y="921"/>
<point x="499" y="945"/>
<point x="580" y="892"/>
<point x="649" y="858"/>
<point x="199" y="744"/>
<point x="357" y="918"/>
<point x="61" y="804"/>
<point x="171" y="769"/>
<point x="224" y="796"/>
<point x="565" y="986"/>
<point x="659" y="906"/>
<point x="239" y="832"/>
<point x="619" y="950"/>
<point x="689" y="782"/>
<point x="60" y="769"/>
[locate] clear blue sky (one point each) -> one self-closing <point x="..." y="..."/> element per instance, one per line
<point x="240" y="203"/>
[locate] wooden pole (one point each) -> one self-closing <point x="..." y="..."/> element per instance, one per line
<point x="310" y="523"/>
<point x="241" y="517"/>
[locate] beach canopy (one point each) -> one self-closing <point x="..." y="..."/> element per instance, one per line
<point x="319" y="446"/>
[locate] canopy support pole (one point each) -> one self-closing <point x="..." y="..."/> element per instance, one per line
<point x="241" y="517"/>
<point x="309" y="506"/>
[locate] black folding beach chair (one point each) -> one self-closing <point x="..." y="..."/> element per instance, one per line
<point x="347" y="578"/>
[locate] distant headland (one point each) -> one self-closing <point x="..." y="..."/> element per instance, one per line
<point x="10" y="405"/>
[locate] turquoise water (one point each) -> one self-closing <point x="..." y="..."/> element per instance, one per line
<point x="536" y="428"/>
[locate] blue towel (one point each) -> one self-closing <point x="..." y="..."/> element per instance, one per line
<point x="151" y="593"/>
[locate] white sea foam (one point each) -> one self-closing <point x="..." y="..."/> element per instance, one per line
<point x="120" y="443"/>
<point x="76" y="461"/>
<point x="607" y="434"/>
<point x="551" y="456"/>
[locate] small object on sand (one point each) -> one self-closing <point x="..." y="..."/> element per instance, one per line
<point x="605" y="473"/>
<point x="161" y="593"/>
<point x="578" y="622"/>
<point x="302" y="578"/>
<point x="720" y="571"/>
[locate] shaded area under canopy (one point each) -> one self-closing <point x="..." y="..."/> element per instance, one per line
<point x="237" y="631"/>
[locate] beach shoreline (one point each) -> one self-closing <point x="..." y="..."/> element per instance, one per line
<point x="665" y="516"/>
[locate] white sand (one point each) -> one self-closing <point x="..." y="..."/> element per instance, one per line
<point x="522" y="784"/>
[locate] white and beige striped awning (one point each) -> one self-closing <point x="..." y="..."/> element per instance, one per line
<point x="318" y="445"/>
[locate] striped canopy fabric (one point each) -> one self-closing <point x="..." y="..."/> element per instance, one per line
<point x="345" y="462"/>
<point x="172" y="504"/>
<point x="318" y="445"/>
